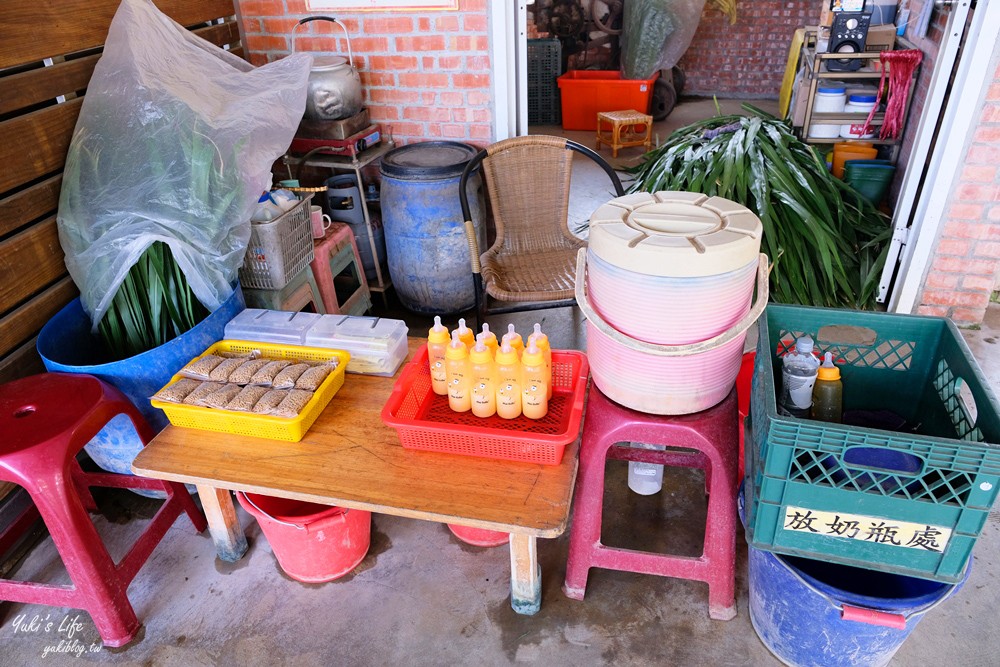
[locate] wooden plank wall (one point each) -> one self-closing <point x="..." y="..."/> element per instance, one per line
<point x="47" y="55"/>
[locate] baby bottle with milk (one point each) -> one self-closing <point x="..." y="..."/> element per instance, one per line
<point x="457" y="366"/>
<point x="534" y="393"/>
<point x="508" y="383"/>
<point x="465" y="334"/>
<point x="484" y="380"/>
<point x="541" y="341"/>
<point x="514" y="339"/>
<point x="798" y="376"/>
<point x="490" y="339"/>
<point x="437" y="342"/>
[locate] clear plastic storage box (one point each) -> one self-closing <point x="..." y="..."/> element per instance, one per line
<point x="377" y="345"/>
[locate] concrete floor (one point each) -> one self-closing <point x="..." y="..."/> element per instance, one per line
<point x="422" y="597"/>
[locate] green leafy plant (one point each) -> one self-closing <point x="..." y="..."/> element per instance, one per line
<point x="826" y="242"/>
<point x="153" y="305"/>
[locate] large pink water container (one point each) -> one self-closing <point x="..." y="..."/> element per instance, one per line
<point x="666" y="285"/>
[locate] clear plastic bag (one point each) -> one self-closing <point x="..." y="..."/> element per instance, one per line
<point x="174" y="143"/>
<point x="656" y="33"/>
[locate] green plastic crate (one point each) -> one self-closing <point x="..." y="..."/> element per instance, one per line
<point x="809" y="480"/>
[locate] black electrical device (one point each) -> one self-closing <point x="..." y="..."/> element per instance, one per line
<point x="848" y="34"/>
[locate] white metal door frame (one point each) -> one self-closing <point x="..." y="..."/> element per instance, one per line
<point x="509" y="40"/>
<point x="931" y="175"/>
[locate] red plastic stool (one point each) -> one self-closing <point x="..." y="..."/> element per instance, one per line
<point x="713" y="434"/>
<point x="45" y="420"/>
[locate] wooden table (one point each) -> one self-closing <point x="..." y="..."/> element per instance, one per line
<point x="351" y="459"/>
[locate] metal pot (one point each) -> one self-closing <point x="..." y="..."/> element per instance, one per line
<point x="334" y="84"/>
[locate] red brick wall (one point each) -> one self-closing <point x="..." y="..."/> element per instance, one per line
<point x="965" y="262"/>
<point x="746" y="60"/>
<point x="425" y="75"/>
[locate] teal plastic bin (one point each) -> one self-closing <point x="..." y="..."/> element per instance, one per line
<point x="910" y="501"/>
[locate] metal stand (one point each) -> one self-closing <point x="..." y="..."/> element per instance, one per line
<point x="354" y="163"/>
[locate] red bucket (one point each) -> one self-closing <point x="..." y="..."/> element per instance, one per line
<point x="313" y="543"/>
<point x="479" y="537"/>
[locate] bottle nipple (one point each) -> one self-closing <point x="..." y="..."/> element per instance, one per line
<point x="828" y="371"/>
<point x="437" y="323"/>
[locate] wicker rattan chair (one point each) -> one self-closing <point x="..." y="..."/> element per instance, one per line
<point x="532" y="262"/>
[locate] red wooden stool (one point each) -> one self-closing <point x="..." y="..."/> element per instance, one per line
<point x="713" y="434"/>
<point x="45" y="420"/>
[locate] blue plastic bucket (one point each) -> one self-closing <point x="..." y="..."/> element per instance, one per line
<point x="424" y="231"/>
<point x="810" y="613"/>
<point x="66" y="345"/>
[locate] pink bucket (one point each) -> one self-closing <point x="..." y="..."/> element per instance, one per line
<point x="479" y="537"/>
<point x="313" y="543"/>
<point x="680" y="344"/>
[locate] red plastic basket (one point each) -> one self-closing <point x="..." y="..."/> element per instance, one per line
<point x="424" y="420"/>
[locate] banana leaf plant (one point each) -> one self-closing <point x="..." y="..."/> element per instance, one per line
<point x="827" y="243"/>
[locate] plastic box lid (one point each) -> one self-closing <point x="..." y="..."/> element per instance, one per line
<point x="271" y="326"/>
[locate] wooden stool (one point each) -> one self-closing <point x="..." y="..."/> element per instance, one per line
<point x="628" y="128"/>
<point x="300" y="291"/>
<point x="46" y="420"/>
<point x="335" y="252"/>
<point x="706" y="440"/>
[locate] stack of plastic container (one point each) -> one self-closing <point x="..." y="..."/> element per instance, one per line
<point x="858" y="528"/>
<point x="377" y="344"/>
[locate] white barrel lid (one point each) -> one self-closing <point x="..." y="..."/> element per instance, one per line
<point x="675" y="234"/>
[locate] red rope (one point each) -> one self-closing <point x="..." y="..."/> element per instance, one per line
<point x="898" y="66"/>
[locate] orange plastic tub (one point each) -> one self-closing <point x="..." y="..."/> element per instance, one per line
<point x="585" y="93"/>
<point x="851" y="150"/>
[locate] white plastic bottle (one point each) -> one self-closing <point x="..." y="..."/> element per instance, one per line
<point x="645" y="478"/>
<point x="798" y="376"/>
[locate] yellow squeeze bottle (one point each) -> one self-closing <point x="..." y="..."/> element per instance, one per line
<point x="541" y="341"/>
<point x="490" y="339"/>
<point x="508" y="383"/>
<point x="484" y="380"/>
<point x="514" y="339"/>
<point x="437" y="343"/>
<point x="465" y="334"/>
<point x="457" y="365"/>
<point x="534" y="393"/>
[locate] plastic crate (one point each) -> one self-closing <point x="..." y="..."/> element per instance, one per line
<point x="262" y="426"/>
<point x="278" y="250"/>
<point x="805" y="477"/>
<point x="585" y="93"/>
<point x="424" y="421"/>
<point x="544" y="66"/>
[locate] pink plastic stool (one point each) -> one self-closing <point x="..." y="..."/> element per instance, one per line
<point x="335" y="252"/>
<point x="45" y="420"/>
<point x="713" y="434"/>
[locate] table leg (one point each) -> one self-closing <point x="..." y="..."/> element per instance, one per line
<point x="223" y="524"/>
<point x="525" y="574"/>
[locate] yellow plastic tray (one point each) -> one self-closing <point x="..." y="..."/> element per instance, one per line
<point x="261" y="426"/>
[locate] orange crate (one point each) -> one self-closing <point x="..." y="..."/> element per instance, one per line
<point x="424" y="420"/>
<point x="585" y="93"/>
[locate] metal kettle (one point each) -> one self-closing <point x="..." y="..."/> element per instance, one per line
<point x="334" y="84"/>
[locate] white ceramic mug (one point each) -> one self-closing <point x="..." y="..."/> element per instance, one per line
<point x="320" y="221"/>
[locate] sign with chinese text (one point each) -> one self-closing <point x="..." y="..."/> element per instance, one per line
<point x="867" y="529"/>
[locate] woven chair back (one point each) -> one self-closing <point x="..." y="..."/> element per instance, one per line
<point x="528" y="181"/>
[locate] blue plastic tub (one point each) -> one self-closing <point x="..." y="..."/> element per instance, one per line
<point x="66" y="345"/>
<point x="811" y="613"/>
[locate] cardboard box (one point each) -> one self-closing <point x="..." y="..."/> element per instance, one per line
<point x="880" y="38"/>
